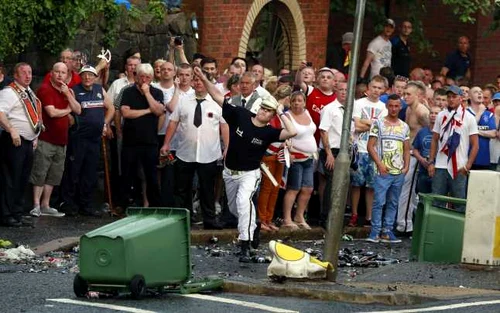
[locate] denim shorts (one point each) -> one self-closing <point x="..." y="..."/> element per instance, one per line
<point x="301" y="174"/>
<point x="365" y="174"/>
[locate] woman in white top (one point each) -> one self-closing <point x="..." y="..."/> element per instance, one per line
<point x="300" y="180"/>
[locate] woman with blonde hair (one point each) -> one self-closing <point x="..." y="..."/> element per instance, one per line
<point x="300" y="181"/>
<point x="268" y="192"/>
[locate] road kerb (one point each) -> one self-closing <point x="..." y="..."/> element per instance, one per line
<point x="358" y="297"/>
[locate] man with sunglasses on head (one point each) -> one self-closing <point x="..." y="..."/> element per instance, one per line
<point x="72" y="79"/>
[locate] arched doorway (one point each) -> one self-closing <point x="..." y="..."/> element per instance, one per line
<point x="274" y="34"/>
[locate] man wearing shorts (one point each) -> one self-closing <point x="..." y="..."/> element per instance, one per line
<point x="58" y="102"/>
<point x="366" y="111"/>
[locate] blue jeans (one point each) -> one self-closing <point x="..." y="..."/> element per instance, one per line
<point x="443" y="183"/>
<point x="424" y="182"/>
<point x="387" y="189"/>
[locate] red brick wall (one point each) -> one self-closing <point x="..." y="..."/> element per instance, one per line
<point x="221" y="24"/>
<point x="315" y="15"/>
<point x="222" y="28"/>
<point x="486" y="51"/>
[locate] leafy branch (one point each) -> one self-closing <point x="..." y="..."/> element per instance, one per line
<point x="52" y="24"/>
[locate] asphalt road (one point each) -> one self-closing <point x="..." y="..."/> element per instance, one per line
<point x="51" y="292"/>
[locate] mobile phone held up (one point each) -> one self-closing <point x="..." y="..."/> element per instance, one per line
<point x="178" y="40"/>
<point x="309" y="64"/>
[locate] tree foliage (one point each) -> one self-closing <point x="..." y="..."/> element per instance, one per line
<point x="465" y="10"/>
<point x="52" y="24"/>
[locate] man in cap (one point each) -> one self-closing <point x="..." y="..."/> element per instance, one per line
<point x="250" y="135"/>
<point x="454" y="147"/>
<point x="340" y="57"/>
<point x="379" y="51"/>
<point x="84" y="145"/>
<point x="401" y="58"/>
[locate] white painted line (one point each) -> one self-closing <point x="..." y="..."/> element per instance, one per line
<point x="252" y="305"/>
<point x="102" y="305"/>
<point x="440" y="308"/>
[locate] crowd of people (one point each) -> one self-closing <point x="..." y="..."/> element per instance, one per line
<point x="192" y="133"/>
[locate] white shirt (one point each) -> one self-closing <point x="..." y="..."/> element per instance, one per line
<point x="332" y="117"/>
<point x="382" y="51"/>
<point x="364" y="109"/>
<point x="115" y="89"/>
<point x="189" y="92"/>
<point x="263" y="93"/>
<point x="198" y="144"/>
<point x="221" y="88"/>
<point x="168" y="93"/>
<point x="174" y="142"/>
<point x="11" y="105"/>
<point x="469" y="127"/>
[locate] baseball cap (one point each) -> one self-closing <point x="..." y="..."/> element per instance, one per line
<point x="269" y="103"/>
<point x="347" y="37"/>
<point x="326" y="69"/>
<point x="455" y="89"/>
<point x="88" y="68"/>
<point x="391" y="22"/>
<point x="496" y="96"/>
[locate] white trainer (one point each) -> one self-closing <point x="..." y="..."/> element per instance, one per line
<point x="36" y="212"/>
<point x="51" y="212"/>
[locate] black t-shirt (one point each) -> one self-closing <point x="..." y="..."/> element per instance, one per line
<point x="457" y="64"/>
<point x="90" y="122"/>
<point x="5" y="82"/>
<point x="142" y="130"/>
<point x="401" y="58"/>
<point x="247" y="142"/>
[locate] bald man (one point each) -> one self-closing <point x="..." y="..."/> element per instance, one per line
<point x="58" y="102"/>
<point x="458" y="62"/>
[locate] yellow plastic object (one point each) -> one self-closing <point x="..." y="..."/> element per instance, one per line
<point x="288" y="253"/>
<point x="293" y="263"/>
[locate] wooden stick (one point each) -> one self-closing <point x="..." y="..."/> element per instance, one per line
<point x="266" y="171"/>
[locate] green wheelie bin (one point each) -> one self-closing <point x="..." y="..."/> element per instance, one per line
<point x="150" y="248"/>
<point x="438" y="231"/>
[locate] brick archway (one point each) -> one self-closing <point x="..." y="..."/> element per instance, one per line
<point x="293" y="21"/>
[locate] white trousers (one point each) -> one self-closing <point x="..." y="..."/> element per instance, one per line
<point x="408" y="199"/>
<point x="240" y="189"/>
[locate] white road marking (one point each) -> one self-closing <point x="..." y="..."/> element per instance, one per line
<point x="252" y="305"/>
<point x="441" y="307"/>
<point x="102" y="305"/>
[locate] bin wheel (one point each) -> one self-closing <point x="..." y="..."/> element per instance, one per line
<point x="80" y="286"/>
<point x="137" y="286"/>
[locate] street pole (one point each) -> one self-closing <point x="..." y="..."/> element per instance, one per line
<point x="341" y="180"/>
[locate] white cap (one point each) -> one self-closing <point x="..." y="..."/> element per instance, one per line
<point x="88" y="68"/>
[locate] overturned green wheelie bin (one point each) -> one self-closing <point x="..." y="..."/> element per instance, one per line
<point x="438" y="231"/>
<point x="150" y="248"/>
